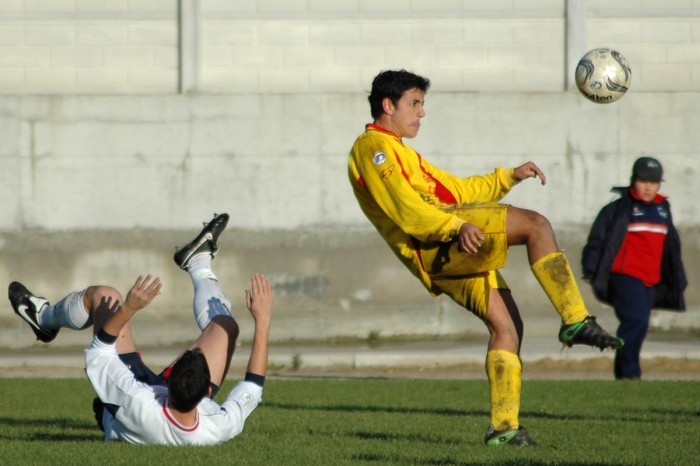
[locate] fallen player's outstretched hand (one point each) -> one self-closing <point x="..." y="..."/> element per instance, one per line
<point x="529" y="170"/>
<point x="259" y="300"/>
<point x="142" y="293"/>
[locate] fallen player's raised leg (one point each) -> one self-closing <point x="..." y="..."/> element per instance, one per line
<point x="213" y="315"/>
<point x="101" y="302"/>
<point x="212" y="309"/>
<point x="79" y="310"/>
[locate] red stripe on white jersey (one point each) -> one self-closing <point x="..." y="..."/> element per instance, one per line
<point x="174" y="422"/>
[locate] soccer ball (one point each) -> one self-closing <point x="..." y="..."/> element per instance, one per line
<point x="603" y="76"/>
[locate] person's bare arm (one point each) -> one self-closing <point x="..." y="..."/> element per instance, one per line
<point x="140" y="295"/>
<point x="259" y="302"/>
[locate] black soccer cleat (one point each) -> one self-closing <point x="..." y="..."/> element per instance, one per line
<point x="27" y="306"/>
<point x="99" y="409"/>
<point x="204" y="243"/>
<point x="517" y="437"/>
<point x="588" y="332"/>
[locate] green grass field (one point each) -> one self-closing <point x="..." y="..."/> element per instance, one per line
<point x="378" y="422"/>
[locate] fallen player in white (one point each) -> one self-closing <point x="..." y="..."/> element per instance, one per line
<point x="175" y="407"/>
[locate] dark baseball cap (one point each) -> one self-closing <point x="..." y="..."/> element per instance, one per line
<point x="647" y="169"/>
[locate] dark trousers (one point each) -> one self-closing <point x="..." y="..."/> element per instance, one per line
<point x="632" y="300"/>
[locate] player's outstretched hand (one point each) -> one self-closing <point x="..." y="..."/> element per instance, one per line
<point x="470" y="238"/>
<point x="529" y="170"/>
<point x="259" y="300"/>
<point x="142" y="293"/>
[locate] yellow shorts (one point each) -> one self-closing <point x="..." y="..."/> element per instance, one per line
<point x="472" y="291"/>
<point x="469" y="278"/>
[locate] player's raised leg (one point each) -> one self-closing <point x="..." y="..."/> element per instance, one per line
<point x="552" y="270"/>
<point x="212" y="309"/>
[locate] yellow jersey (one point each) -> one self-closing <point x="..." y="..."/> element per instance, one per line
<point x="401" y="194"/>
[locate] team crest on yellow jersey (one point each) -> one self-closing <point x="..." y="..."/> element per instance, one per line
<point x="387" y="173"/>
<point x="379" y="158"/>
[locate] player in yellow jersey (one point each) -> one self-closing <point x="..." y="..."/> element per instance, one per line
<point x="453" y="235"/>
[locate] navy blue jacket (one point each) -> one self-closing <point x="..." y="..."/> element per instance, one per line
<point x="604" y="241"/>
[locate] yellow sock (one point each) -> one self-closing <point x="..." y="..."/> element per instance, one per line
<point x="558" y="282"/>
<point x="504" y="369"/>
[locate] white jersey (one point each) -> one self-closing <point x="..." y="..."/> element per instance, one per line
<point x="142" y="414"/>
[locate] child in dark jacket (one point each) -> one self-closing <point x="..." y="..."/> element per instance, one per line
<point x="633" y="260"/>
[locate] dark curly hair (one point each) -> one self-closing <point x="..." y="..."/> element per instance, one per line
<point x="189" y="380"/>
<point x="392" y="84"/>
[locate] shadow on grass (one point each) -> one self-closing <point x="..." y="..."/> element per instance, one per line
<point x="674" y="412"/>
<point x="64" y="423"/>
<point x="363" y="435"/>
<point x="448" y="461"/>
<point x="374" y="458"/>
<point x="379" y="409"/>
<point x="634" y="416"/>
<point x="52" y="438"/>
<point x="415" y="438"/>
<point x="35" y="430"/>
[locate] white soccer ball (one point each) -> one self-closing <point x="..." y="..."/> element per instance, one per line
<point x="603" y="76"/>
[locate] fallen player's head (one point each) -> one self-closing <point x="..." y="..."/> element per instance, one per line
<point x="189" y="381"/>
<point x="392" y="84"/>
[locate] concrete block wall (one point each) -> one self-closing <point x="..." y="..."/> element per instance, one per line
<point x="84" y="162"/>
<point x="131" y="46"/>
<point x="660" y="38"/>
<point x="281" y="46"/>
<point x="310" y="46"/>
<point x="81" y="46"/>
